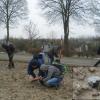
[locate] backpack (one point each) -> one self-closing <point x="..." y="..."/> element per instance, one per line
<point x="11" y="47"/>
<point x="61" y="67"/>
<point x="98" y="51"/>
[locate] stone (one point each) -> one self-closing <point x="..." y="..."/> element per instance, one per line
<point x="76" y="92"/>
<point x="86" y="87"/>
<point x="75" y="71"/>
<point x="81" y="77"/>
<point x="91" y="69"/>
<point x="96" y="94"/>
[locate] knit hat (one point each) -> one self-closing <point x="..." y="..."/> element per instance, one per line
<point x="44" y="67"/>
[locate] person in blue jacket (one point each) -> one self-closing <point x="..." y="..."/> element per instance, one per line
<point x="33" y="65"/>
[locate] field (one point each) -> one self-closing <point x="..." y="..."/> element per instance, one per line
<point x="14" y="85"/>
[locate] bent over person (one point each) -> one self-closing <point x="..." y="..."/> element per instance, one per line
<point x="32" y="66"/>
<point x="51" y="76"/>
<point x="10" y="49"/>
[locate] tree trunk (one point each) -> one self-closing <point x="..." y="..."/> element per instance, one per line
<point x="7" y="32"/>
<point x="66" y="34"/>
<point x="7" y="23"/>
<point x="66" y="46"/>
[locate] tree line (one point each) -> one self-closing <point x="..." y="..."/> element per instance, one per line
<point x="75" y="45"/>
<point x="55" y="10"/>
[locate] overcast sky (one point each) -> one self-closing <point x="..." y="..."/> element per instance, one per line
<point x="46" y="29"/>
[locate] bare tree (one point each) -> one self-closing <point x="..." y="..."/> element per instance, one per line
<point x="95" y="7"/>
<point x="32" y="31"/>
<point x="95" y="13"/>
<point x="63" y="9"/>
<point x="11" y="11"/>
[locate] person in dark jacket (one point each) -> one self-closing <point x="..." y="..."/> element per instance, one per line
<point x="33" y="65"/>
<point x="10" y="49"/>
<point x="51" y="54"/>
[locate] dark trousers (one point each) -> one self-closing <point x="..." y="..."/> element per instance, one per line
<point x="11" y="62"/>
<point x="44" y="75"/>
<point x="51" y="59"/>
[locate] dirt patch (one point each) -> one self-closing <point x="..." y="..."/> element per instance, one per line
<point x="81" y="89"/>
<point x="14" y="85"/>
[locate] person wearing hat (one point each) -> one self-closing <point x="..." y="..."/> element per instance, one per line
<point x="52" y="76"/>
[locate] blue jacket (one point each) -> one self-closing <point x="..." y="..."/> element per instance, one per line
<point x="31" y="68"/>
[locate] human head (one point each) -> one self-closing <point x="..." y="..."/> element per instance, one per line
<point x="35" y="57"/>
<point x="44" y="67"/>
<point x="34" y="64"/>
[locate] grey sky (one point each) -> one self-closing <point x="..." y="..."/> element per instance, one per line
<point x="45" y="29"/>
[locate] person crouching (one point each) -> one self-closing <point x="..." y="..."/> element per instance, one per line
<point x="32" y="66"/>
<point x="51" y="76"/>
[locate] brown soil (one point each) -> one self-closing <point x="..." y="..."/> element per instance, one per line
<point x="14" y="85"/>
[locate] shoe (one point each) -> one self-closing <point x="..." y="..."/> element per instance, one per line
<point x="57" y="87"/>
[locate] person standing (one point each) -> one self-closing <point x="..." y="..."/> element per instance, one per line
<point x="10" y="49"/>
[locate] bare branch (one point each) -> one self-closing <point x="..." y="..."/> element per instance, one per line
<point x="11" y="11"/>
<point x="32" y="31"/>
<point x="16" y="8"/>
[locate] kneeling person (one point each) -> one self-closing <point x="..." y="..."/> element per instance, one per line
<point x="33" y="65"/>
<point x="52" y="75"/>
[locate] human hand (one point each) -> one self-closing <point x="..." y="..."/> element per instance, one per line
<point x="40" y="78"/>
<point x="31" y="78"/>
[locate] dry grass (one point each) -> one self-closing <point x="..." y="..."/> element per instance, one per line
<point x="14" y="85"/>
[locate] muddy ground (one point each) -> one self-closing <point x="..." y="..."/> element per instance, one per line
<point x="81" y="89"/>
<point x="14" y="85"/>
